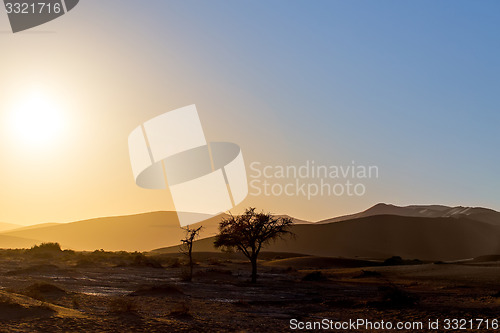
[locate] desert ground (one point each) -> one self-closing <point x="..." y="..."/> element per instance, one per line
<point x="48" y="290"/>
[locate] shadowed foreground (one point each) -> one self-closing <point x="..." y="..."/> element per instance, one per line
<point x="60" y="291"/>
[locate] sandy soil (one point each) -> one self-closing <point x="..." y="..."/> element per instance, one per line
<point x="124" y="292"/>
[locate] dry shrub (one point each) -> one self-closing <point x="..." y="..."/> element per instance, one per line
<point x="46" y="247"/>
<point x="45" y="250"/>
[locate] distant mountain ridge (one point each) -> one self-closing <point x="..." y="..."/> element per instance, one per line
<point x="480" y="214"/>
<point x="383" y="228"/>
<point x="138" y="232"/>
<point x="384" y="236"/>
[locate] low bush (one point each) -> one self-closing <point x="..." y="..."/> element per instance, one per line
<point x="45" y="250"/>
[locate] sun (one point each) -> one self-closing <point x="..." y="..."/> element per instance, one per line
<point x="36" y="119"/>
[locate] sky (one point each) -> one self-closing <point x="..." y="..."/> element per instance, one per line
<point x="412" y="88"/>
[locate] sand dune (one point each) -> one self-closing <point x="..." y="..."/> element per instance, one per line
<point x="141" y="232"/>
<point x="34" y="226"/>
<point x="14" y="242"/>
<point x="459" y="233"/>
<point x="8" y="226"/>
<point x="311" y="262"/>
<point x="383" y="236"/>
<point x="473" y="213"/>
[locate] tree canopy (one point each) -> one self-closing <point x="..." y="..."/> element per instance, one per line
<point x="248" y="232"/>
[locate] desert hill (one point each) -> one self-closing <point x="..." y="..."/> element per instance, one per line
<point x="141" y="232"/>
<point x="473" y="213"/>
<point x="8" y="226"/>
<point x="383" y="236"/>
<point x="34" y="226"/>
<point x="423" y="232"/>
<point x="14" y="242"/>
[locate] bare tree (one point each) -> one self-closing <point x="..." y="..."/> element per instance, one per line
<point x="248" y="232"/>
<point x="187" y="246"/>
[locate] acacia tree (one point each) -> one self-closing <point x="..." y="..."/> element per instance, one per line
<point x="248" y="232"/>
<point x="187" y="246"/>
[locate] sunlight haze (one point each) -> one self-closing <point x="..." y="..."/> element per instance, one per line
<point x="369" y="84"/>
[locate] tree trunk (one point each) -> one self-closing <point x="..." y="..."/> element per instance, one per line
<point x="254" y="269"/>
<point x="190" y="262"/>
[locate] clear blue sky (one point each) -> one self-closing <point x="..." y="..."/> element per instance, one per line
<point x="410" y="86"/>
